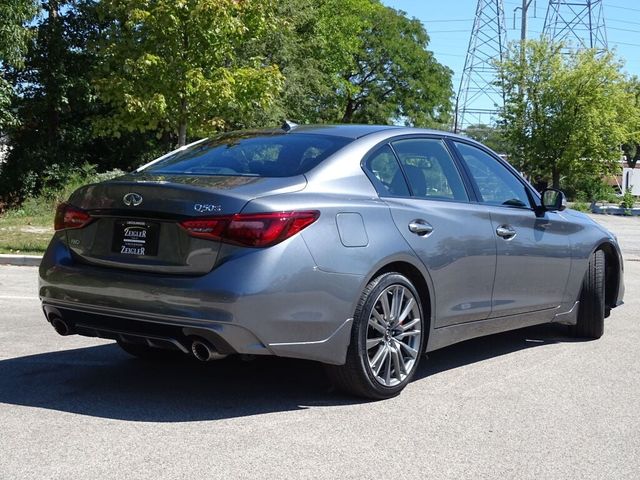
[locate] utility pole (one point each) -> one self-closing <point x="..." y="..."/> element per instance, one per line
<point x="577" y="23"/>
<point x="523" y="24"/>
<point x="479" y="97"/>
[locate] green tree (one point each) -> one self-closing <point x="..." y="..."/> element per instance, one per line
<point x="14" y="36"/>
<point x="394" y="76"/>
<point x="564" y="115"/>
<point x="356" y="61"/>
<point x="313" y="49"/>
<point x="491" y="136"/>
<point x="172" y="65"/>
<point x="631" y="147"/>
<point x="56" y="104"/>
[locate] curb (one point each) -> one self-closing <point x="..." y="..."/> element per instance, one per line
<point x="20" y="260"/>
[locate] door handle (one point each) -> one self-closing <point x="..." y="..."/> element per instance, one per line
<point x="506" y="232"/>
<point x="420" y="227"/>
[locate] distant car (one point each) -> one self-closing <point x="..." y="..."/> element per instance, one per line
<point x="361" y="247"/>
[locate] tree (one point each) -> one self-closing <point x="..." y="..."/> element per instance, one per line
<point x="631" y="147"/>
<point x="491" y="136"/>
<point x="56" y="104"/>
<point x="172" y="65"/>
<point x="394" y="76"/>
<point x="313" y="51"/>
<point x="14" y="36"/>
<point x="564" y="115"/>
<point x="371" y="66"/>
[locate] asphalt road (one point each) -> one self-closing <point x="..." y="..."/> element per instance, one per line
<point x="529" y="404"/>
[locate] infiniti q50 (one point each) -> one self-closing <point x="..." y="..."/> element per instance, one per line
<point x="361" y="247"/>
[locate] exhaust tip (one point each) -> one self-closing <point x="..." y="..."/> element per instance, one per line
<point x="201" y="351"/>
<point x="60" y="326"/>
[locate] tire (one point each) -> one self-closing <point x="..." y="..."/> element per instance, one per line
<point x="146" y="352"/>
<point x="591" y="310"/>
<point x="394" y="343"/>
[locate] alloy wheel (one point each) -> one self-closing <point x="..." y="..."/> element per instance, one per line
<point x="393" y="335"/>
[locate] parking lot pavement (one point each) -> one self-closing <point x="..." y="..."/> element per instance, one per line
<point x="529" y="404"/>
<point x="627" y="229"/>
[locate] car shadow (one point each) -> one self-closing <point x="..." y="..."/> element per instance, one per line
<point x="103" y="381"/>
<point x="492" y="346"/>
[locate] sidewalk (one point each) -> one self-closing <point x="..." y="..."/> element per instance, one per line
<point x="20" y="260"/>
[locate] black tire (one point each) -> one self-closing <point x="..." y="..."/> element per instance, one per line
<point x="146" y="352"/>
<point x="356" y="376"/>
<point x="591" y="310"/>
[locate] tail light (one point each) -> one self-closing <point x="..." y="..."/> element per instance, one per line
<point x="68" y="216"/>
<point x="253" y="229"/>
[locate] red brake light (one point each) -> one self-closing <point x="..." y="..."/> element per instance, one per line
<point x="68" y="216"/>
<point x="209" y="228"/>
<point x="253" y="230"/>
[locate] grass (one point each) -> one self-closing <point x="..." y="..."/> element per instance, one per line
<point x="21" y="233"/>
<point x="27" y="229"/>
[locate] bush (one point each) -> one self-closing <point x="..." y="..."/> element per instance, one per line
<point x="628" y="199"/>
<point x="581" y="206"/>
<point x="592" y="190"/>
<point x="61" y="184"/>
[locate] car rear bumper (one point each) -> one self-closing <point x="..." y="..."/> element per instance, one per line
<point x="178" y="333"/>
<point x="275" y="307"/>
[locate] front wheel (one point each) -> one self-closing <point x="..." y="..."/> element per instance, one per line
<point x="591" y="310"/>
<point x="386" y="340"/>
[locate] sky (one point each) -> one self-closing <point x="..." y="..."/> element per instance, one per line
<point x="449" y="24"/>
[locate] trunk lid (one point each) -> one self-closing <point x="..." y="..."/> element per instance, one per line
<point x="136" y="218"/>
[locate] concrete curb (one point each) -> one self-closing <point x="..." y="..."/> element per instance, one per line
<point x="20" y="260"/>
<point x="615" y="210"/>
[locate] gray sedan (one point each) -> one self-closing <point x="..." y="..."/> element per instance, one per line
<point x="361" y="247"/>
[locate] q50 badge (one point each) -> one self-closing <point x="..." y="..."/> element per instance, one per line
<point x="207" y="208"/>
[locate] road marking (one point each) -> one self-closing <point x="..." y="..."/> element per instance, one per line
<point x="17" y="297"/>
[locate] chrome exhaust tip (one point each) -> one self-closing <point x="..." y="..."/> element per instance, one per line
<point x="204" y="352"/>
<point x="201" y="351"/>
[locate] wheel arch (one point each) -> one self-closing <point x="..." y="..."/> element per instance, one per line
<point x="414" y="274"/>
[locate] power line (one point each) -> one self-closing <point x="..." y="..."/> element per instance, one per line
<point x="617" y="20"/>
<point x="623" y="29"/>
<point x="623" y="8"/>
<point x="449" y="20"/>
<point x="448" y="54"/>
<point x="627" y="44"/>
<point x="447" y="31"/>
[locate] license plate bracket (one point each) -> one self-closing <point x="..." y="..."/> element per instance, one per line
<point x="135" y="238"/>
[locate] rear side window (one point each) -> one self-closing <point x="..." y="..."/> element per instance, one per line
<point x="387" y="176"/>
<point x="430" y="169"/>
<point x="274" y="155"/>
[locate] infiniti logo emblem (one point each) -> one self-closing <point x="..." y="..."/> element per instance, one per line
<point x="132" y="199"/>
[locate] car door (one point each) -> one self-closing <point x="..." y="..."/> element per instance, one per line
<point x="533" y="251"/>
<point x="419" y="179"/>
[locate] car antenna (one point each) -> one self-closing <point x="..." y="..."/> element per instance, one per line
<point x="288" y="125"/>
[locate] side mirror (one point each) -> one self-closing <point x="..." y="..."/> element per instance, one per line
<point x="553" y="200"/>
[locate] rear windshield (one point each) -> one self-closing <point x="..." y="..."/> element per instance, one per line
<point x="271" y="155"/>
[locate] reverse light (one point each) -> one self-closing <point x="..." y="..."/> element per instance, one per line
<point x="252" y="229"/>
<point x="68" y="216"/>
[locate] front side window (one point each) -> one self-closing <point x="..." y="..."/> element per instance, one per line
<point x="497" y="185"/>
<point x="250" y="154"/>
<point x="430" y="169"/>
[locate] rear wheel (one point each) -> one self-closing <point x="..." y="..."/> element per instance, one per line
<point x="591" y="310"/>
<point x="386" y="340"/>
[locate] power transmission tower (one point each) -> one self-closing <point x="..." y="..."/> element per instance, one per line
<point x="479" y="97"/>
<point x="577" y="23"/>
